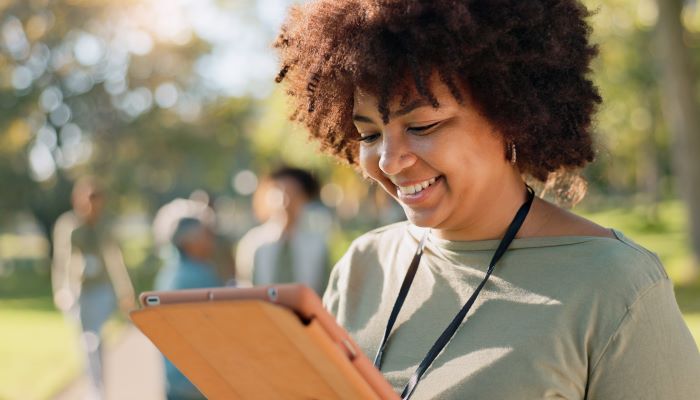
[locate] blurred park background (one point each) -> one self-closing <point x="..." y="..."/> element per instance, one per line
<point x="159" y="98"/>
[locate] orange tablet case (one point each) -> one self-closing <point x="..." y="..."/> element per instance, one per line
<point x="273" y="342"/>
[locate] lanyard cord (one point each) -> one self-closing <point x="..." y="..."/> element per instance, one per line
<point x="449" y="332"/>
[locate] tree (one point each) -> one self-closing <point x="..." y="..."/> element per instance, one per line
<point x="95" y="87"/>
<point x="680" y="105"/>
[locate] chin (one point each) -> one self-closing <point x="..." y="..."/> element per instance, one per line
<point x="423" y="221"/>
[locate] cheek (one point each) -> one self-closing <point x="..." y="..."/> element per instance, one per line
<point x="493" y="152"/>
<point x="369" y="163"/>
<point x="482" y="150"/>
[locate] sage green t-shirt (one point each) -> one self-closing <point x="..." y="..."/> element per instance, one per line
<point x="561" y="317"/>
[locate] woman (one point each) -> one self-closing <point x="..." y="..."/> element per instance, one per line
<point x="447" y="105"/>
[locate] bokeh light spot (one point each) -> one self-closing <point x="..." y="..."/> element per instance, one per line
<point x="245" y="182"/>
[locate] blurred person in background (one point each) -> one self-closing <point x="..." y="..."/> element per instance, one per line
<point x="185" y="229"/>
<point x="223" y="258"/>
<point x="88" y="274"/>
<point x="292" y="243"/>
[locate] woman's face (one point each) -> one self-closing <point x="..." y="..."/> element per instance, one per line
<point x="444" y="166"/>
<point x="88" y="202"/>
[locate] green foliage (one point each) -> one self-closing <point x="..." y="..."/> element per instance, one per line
<point x="147" y="156"/>
<point x="26" y="278"/>
<point x="629" y="118"/>
<point x="85" y="89"/>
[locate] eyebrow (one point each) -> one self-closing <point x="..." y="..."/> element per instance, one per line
<point x="398" y="113"/>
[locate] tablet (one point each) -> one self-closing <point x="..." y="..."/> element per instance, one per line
<point x="269" y="342"/>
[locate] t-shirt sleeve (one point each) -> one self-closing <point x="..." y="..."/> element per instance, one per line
<point x="652" y="354"/>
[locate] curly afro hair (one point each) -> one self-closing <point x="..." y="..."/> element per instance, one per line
<point x="524" y="63"/>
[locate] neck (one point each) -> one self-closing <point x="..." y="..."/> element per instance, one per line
<point x="495" y="214"/>
<point x="289" y="224"/>
<point x="90" y="220"/>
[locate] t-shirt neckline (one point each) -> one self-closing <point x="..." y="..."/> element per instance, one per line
<point x="519" y="243"/>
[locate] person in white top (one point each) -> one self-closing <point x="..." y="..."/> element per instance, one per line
<point x="291" y="245"/>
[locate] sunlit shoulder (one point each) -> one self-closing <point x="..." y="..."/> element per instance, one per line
<point x="549" y="220"/>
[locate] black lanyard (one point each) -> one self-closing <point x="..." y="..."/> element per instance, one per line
<point x="457" y="320"/>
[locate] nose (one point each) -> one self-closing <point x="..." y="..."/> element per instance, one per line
<point x="395" y="155"/>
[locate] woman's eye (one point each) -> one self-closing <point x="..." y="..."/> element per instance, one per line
<point x="368" y="138"/>
<point x="420" y="129"/>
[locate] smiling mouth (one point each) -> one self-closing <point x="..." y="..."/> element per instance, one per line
<point x="412" y="190"/>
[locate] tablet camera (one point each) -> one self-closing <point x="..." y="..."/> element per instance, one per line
<point x="272" y="294"/>
<point x="152" y="300"/>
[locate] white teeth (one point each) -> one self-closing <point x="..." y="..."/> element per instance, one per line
<point x="413" y="189"/>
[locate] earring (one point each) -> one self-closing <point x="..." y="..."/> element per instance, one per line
<point x="513" y="154"/>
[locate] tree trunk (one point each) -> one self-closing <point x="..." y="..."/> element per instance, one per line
<point x="680" y="107"/>
<point x="648" y="164"/>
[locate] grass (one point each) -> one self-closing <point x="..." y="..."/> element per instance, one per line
<point x="693" y="321"/>
<point x="38" y="350"/>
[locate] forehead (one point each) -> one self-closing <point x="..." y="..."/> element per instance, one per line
<point x="286" y="183"/>
<point x="88" y="192"/>
<point x="403" y="100"/>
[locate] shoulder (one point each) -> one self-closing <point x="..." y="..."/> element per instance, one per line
<point x="651" y="344"/>
<point x="607" y="255"/>
<point x="627" y="263"/>
<point x="362" y="271"/>
<point x="389" y="235"/>
<point x="551" y="220"/>
<point x="615" y="262"/>
<point x="67" y="221"/>
<point x="372" y="252"/>
<point x="259" y="235"/>
<point x="605" y="277"/>
<point x="600" y="274"/>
